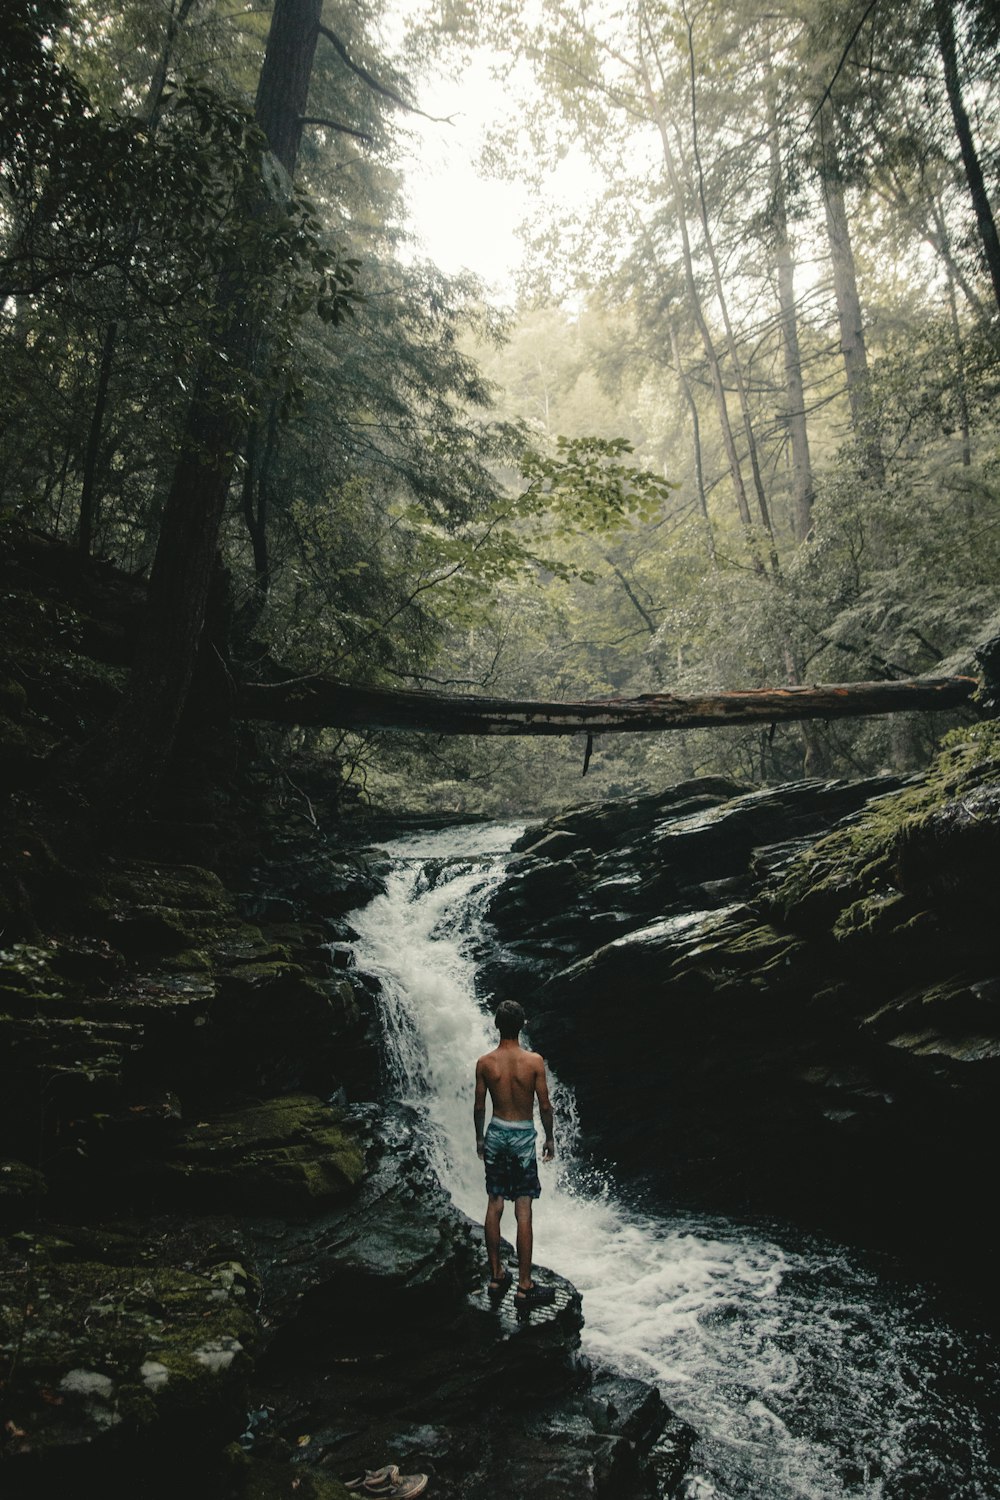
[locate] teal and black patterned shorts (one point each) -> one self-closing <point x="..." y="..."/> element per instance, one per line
<point x="509" y="1154"/>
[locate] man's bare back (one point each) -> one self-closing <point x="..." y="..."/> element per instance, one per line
<point x="513" y="1076"/>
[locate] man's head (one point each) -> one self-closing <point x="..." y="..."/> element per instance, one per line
<point x="509" y="1019"/>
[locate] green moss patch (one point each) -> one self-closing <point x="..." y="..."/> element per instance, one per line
<point x="286" y="1155"/>
<point x="95" y="1352"/>
<point x="896" y="846"/>
<point x="252" y="1478"/>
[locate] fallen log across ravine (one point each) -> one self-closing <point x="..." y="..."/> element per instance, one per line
<point x="324" y="701"/>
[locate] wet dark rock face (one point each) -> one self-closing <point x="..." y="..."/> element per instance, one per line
<point x="399" y="1354"/>
<point x="204" y="1215"/>
<point x="783" y="1001"/>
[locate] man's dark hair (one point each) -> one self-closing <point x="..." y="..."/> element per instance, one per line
<point x="509" y="1019"/>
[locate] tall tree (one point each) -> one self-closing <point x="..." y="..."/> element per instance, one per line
<point x="722" y="300"/>
<point x="945" y="22"/>
<point x="151" y="108"/>
<point x="143" y="734"/>
<point x="853" y="343"/>
<point x="673" y="177"/>
<point x="795" y="398"/>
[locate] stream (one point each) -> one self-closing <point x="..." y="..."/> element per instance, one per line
<point x="806" y="1373"/>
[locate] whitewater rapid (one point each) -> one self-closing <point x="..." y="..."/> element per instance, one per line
<point x="806" y="1375"/>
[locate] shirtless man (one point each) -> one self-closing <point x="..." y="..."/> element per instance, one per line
<point x="514" y="1077"/>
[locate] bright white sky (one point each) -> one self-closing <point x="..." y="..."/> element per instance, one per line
<point x="464" y="220"/>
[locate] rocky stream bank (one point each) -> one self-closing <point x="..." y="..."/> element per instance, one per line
<point x="782" y="1001"/>
<point x="226" y="1264"/>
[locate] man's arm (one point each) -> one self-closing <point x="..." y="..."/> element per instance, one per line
<point x="479" y="1108"/>
<point x="545" y="1110"/>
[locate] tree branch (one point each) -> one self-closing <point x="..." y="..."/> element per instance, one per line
<point x="374" y="83"/>
<point x="837" y="70"/>
<point x="360" y="135"/>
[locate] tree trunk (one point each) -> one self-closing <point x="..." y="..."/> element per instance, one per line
<point x="699" y="474"/>
<point x="795" y="397"/>
<point x="945" y="22"/>
<point x="150" y="114"/>
<point x="88" y="490"/>
<point x="283" y="89"/>
<point x="927" y="216"/>
<point x="736" y="364"/>
<point x="144" y="731"/>
<point x="845" y="290"/>
<point x="324" y="701"/>
<point x="690" y="282"/>
<point x="961" y="392"/>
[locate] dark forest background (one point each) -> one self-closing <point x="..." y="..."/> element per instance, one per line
<point x="738" y="430"/>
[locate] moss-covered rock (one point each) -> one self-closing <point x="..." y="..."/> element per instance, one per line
<point x="13" y="698"/>
<point x="16" y="749"/>
<point x="286" y="1155"/>
<point x="276" y="1027"/>
<point x="100" y="1353"/>
<point x="160" y="908"/>
<point x="19" y="1185"/>
<point x="247" y="1477"/>
<point x="185" y="887"/>
<point x="937" y="839"/>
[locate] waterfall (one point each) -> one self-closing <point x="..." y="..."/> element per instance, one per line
<point x="806" y="1375"/>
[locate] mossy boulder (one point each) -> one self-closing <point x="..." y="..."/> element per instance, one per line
<point x="159" y="908"/>
<point x="20" y="1186"/>
<point x="286" y="1155"/>
<point x="811" y="974"/>
<point x="327" y="884"/>
<point x="247" y="1477"/>
<point x="13" y="698"/>
<point x="16" y="747"/>
<point x="277" y="1027"/>
<point x="106" y="1353"/>
<point x="186" y="887"/>
<point x="62" y="969"/>
<point x="394" y="1253"/>
<point x="936" y="840"/>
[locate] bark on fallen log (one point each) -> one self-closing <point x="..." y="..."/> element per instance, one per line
<point x="340" y="705"/>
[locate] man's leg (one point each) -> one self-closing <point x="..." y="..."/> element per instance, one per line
<point x="494" y="1210"/>
<point x="525" y="1241"/>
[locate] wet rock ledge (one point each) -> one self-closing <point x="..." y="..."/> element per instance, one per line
<point x="782" y="1001"/>
<point x="224" y="1270"/>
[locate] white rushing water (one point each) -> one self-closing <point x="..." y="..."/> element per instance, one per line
<point x="805" y="1377"/>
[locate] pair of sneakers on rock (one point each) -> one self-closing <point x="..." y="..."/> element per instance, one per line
<point x="386" y="1483"/>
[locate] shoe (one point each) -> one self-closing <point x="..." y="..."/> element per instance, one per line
<point x="534" y="1296"/>
<point x="371" y="1476"/>
<point x="399" y="1487"/>
<point x="387" y="1483"/>
<point x="499" y="1286"/>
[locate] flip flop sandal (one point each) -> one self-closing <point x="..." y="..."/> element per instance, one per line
<point x="499" y="1285"/>
<point x="400" y="1487"/>
<point x="371" y="1476"/>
